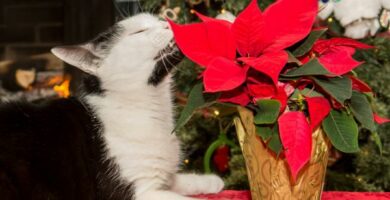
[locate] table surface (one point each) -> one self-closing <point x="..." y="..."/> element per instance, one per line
<point x="245" y="195"/>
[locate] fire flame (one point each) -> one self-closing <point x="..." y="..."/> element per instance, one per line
<point x="63" y="89"/>
<point x="56" y="80"/>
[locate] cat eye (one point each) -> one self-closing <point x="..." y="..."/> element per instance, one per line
<point x="140" y="31"/>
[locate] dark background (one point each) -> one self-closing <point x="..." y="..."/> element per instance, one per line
<point x="29" y="27"/>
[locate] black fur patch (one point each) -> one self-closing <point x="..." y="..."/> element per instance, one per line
<point x="92" y="85"/>
<point x="54" y="149"/>
<point x="164" y="65"/>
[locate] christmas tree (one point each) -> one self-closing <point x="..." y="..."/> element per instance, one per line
<point x="368" y="170"/>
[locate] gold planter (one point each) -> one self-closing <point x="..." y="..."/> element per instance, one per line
<point x="269" y="176"/>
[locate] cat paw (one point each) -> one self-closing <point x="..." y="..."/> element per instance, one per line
<point x="214" y="184"/>
<point x="193" y="184"/>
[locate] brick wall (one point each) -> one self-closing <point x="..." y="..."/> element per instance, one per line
<point x="29" y="27"/>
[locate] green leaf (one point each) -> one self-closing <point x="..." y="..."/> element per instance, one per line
<point x="275" y="143"/>
<point x="195" y="100"/>
<point x="264" y="132"/>
<point x="293" y="59"/>
<point x="378" y="142"/>
<point x="284" y="78"/>
<point x="307" y="92"/>
<point x="224" y="109"/>
<point x="307" y="45"/>
<point x="296" y="94"/>
<point x="312" y="68"/>
<point x="342" y="131"/>
<point x="209" y="153"/>
<point x="361" y="108"/>
<point x="340" y="88"/>
<point x="268" y="111"/>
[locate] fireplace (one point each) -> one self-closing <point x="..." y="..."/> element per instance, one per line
<point x="30" y="28"/>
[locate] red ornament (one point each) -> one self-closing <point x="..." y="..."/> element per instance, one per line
<point x="221" y="159"/>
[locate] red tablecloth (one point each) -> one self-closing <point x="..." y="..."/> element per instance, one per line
<point x="244" y="195"/>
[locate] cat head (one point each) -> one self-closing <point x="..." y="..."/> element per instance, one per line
<point x="137" y="50"/>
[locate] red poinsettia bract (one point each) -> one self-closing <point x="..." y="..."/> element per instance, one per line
<point x="260" y="40"/>
<point x="295" y="134"/>
<point x="359" y="85"/>
<point x="380" y="120"/>
<point x="336" y="54"/>
<point x="319" y="108"/>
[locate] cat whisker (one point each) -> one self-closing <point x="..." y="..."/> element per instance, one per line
<point x="163" y="61"/>
<point x="174" y="57"/>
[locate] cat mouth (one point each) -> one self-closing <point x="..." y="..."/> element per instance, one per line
<point x="170" y="53"/>
<point x="166" y="60"/>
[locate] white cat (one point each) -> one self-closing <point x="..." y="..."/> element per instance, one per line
<point x="132" y="62"/>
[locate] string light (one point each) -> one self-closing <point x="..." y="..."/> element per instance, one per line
<point x="216" y="113"/>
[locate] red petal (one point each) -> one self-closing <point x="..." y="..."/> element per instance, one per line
<point x="237" y="96"/>
<point x="323" y="45"/>
<point x="350" y="50"/>
<point x="288" y="21"/>
<point x="336" y="105"/>
<point x="338" y="61"/>
<point x="207" y="40"/>
<point x="380" y="120"/>
<point x="319" y="108"/>
<point x="305" y="59"/>
<point x="282" y="97"/>
<point x="223" y="75"/>
<point x="206" y="18"/>
<point x="261" y="87"/>
<point x="268" y="91"/>
<point x="359" y="85"/>
<point x="326" y="47"/>
<point x="350" y="43"/>
<point x="270" y="64"/>
<point x="261" y="90"/>
<point x="296" y="138"/>
<point x="303" y="83"/>
<point x="248" y="30"/>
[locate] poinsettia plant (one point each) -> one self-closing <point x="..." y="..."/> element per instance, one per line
<point x="277" y="65"/>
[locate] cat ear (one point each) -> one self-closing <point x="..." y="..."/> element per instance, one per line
<point x="80" y="56"/>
